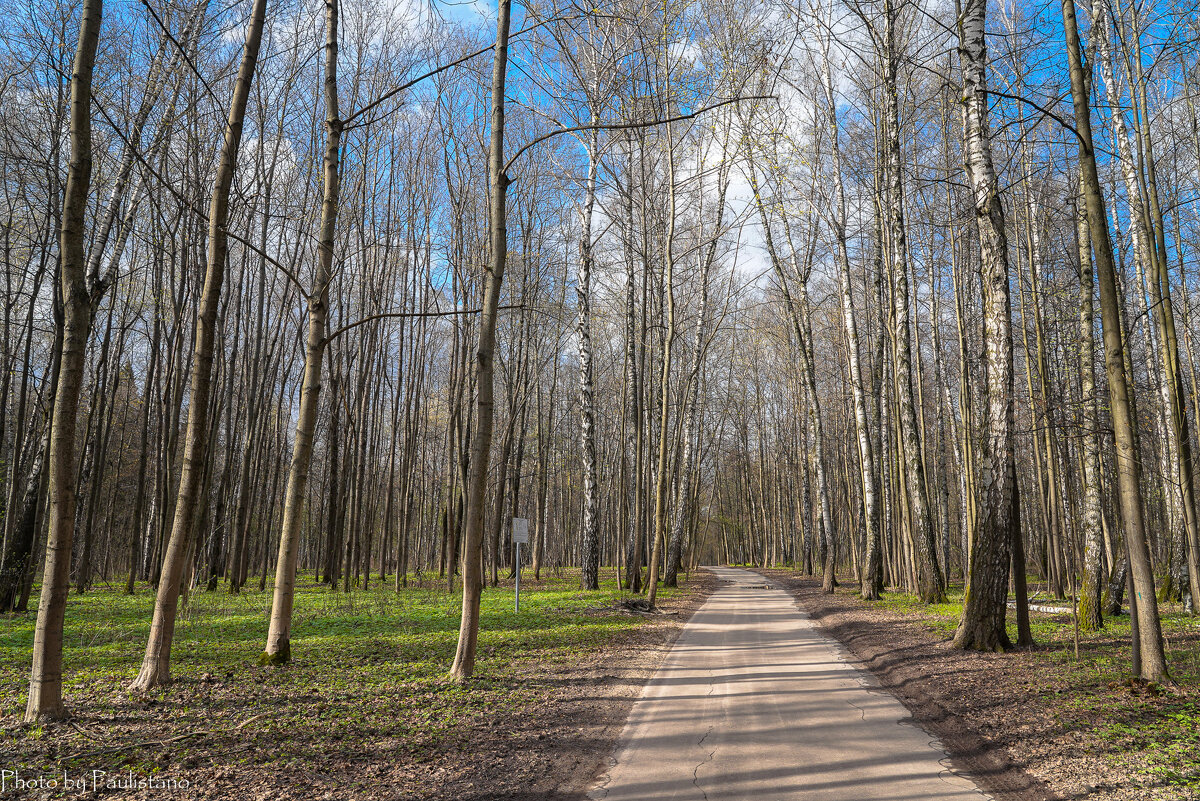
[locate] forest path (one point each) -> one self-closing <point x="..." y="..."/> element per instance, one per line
<point x="753" y="702"/>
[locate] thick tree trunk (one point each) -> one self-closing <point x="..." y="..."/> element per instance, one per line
<point x="982" y="626"/>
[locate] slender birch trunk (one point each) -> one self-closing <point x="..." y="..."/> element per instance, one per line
<point x="797" y="312"/>
<point x="1091" y="586"/>
<point x="691" y="426"/>
<point x="931" y="587"/>
<point x="632" y="402"/>
<point x="871" y="583"/>
<point x="660" y="487"/>
<point x="590" y="534"/>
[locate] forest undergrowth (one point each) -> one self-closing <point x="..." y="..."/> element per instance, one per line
<point x="365" y="703"/>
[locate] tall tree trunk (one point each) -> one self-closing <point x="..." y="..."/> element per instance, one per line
<point x="279" y="646"/>
<point x="691" y="428"/>
<point x="872" y="572"/>
<point x="929" y="575"/>
<point x="668" y="288"/>
<point x="632" y="403"/>
<point x="982" y="626"/>
<point x="156" y="669"/>
<point x="797" y="311"/>
<point x="78" y="303"/>
<point x="481" y="442"/>
<point x="589" y="536"/>
<point x="1183" y="474"/>
<point x="1149" y="247"/>
<point x="1149" y="645"/>
<point x="1090" y="588"/>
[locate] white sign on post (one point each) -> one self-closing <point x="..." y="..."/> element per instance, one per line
<point x="520" y="535"/>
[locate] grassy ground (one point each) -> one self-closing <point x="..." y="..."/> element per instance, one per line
<point x="368" y="673"/>
<point x="1150" y="732"/>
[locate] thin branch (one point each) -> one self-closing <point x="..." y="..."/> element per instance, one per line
<point x="409" y="84"/>
<point x="391" y="315"/>
<point x="1045" y="111"/>
<point x="188" y="203"/>
<point x="624" y="126"/>
<point x="183" y="51"/>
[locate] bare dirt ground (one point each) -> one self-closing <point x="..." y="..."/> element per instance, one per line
<point x="1026" y="725"/>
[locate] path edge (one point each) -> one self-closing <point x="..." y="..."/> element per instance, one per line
<point x="973" y="756"/>
<point x="608" y="760"/>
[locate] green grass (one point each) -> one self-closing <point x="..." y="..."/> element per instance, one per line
<point x="369" y="669"/>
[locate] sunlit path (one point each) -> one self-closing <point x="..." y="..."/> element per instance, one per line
<point x="754" y="702"/>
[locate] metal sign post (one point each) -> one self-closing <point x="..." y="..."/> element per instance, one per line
<point x="520" y="534"/>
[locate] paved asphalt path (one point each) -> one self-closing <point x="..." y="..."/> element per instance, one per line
<point x="753" y="702"/>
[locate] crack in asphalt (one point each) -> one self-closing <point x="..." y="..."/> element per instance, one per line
<point x="600" y="792"/>
<point x="948" y="770"/>
<point x="703" y="762"/>
<point x="861" y="711"/>
<point x="712" y="689"/>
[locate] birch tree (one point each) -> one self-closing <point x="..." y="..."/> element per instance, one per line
<point x="929" y="574"/>
<point x="982" y="626"/>
<point x="872" y="571"/>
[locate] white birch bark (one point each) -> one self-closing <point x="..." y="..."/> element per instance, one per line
<point x="590" y="534"/>
<point x="872" y="573"/>
<point x="982" y="626"/>
<point x="1091" y="587"/>
<point x="931" y="587"/>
